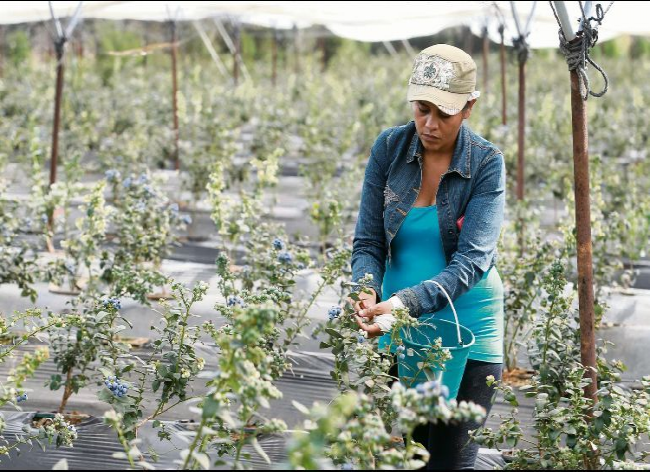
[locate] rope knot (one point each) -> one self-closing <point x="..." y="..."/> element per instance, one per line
<point x="577" y="51"/>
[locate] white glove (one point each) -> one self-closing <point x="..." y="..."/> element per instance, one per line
<point x="387" y="320"/>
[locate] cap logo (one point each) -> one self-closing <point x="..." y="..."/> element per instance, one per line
<point x="432" y="71"/>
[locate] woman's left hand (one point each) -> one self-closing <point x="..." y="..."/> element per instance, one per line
<point x="382" y="308"/>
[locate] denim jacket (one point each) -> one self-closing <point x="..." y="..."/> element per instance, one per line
<point x="470" y="200"/>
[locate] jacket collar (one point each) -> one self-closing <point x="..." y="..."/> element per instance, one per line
<point x="461" y="160"/>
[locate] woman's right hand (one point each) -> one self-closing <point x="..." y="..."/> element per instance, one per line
<point x="367" y="300"/>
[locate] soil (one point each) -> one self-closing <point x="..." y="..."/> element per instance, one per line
<point x="517" y="377"/>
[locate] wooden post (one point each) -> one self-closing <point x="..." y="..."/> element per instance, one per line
<point x="59" y="48"/>
<point x="296" y="49"/>
<point x="2" y="49"/>
<point x="54" y="152"/>
<point x="504" y="102"/>
<point x="323" y="49"/>
<point x="236" y="54"/>
<point x="583" y="216"/>
<point x="177" y="163"/>
<point x="522" y="128"/>
<point x="583" y="225"/>
<point x="274" y="54"/>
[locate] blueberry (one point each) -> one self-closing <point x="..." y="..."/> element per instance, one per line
<point x="361" y="339"/>
<point x="112" y="175"/>
<point x="278" y="244"/>
<point x="334" y="312"/>
<point x="285" y="258"/>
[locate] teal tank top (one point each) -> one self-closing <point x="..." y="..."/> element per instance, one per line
<point x="418" y="255"/>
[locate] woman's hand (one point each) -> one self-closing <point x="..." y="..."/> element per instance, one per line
<point x="367" y="300"/>
<point x="369" y="313"/>
<point x="373" y="330"/>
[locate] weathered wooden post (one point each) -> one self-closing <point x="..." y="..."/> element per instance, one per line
<point x="274" y="57"/>
<point x="174" y="51"/>
<point x="236" y="54"/>
<point x="504" y="99"/>
<point x="579" y="125"/>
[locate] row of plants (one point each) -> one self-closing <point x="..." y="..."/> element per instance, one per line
<point x="113" y="252"/>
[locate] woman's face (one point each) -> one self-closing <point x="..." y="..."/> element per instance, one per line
<point x="436" y="129"/>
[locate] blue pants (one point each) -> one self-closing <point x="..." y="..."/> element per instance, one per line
<point x="449" y="445"/>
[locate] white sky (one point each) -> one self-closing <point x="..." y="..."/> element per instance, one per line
<point x="364" y="21"/>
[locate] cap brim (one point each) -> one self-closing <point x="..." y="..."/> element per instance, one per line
<point x="449" y="102"/>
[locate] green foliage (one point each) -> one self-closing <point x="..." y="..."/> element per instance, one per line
<point x="18" y="48"/>
<point x="572" y="432"/>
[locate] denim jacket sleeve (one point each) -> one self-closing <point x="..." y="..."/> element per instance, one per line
<point x="477" y="242"/>
<point x="369" y="244"/>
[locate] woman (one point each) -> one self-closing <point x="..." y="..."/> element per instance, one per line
<point x="431" y="211"/>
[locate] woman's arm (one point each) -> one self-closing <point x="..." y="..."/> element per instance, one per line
<point x="369" y="245"/>
<point x="477" y="243"/>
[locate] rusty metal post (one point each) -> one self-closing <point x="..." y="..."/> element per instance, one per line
<point x="2" y="49"/>
<point x="177" y="163"/>
<point x="236" y="54"/>
<point x="296" y="49"/>
<point x="59" y="47"/>
<point x="54" y="152"/>
<point x="274" y="57"/>
<point x="522" y="129"/>
<point x="583" y="226"/>
<point x="504" y="102"/>
<point x="486" y="52"/>
<point x="323" y="49"/>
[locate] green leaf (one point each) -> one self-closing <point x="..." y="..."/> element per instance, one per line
<point x="332" y="332"/>
<point x="210" y="408"/>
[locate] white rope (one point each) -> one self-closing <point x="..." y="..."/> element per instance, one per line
<point x="577" y="51"/>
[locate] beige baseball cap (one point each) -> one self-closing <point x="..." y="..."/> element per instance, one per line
<point x="445" y="76"/>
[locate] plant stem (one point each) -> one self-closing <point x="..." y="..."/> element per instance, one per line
<point x="193" y="445"/>
<point x="514" y="335"/>
<point x="160" y="412"/>
<point x="67" y="392"/>
<point x="548" y="332"/>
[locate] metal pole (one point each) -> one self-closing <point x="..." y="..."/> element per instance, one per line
<point x="274" y="54"/>
<point x="59" y="48"/>
<point x="177" y="163"/>
<point x="323" y="50"/>
<point x="583" y="225"/>
<point x="503" y="77"/>
<point x="522" y="129"/>
<point x="236" y="53"/>
<point x="208" y="45"/>
<point x="296" y="49"/>
<point x="486" y="52"/>
<point x="583" y="218"/>
<point x="2" y="49"/>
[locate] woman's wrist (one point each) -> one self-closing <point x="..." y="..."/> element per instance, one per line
<point x="396" y="302"/>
